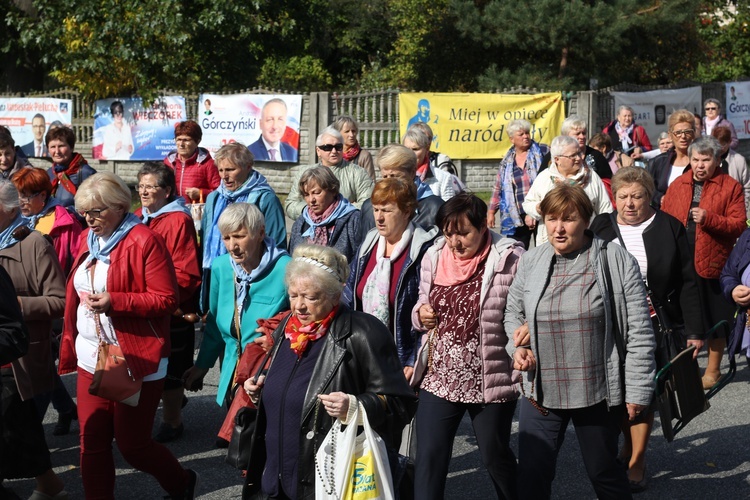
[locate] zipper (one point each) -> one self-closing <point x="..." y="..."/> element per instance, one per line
<point x="161" y="340"/>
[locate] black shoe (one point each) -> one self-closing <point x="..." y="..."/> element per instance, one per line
<point x="63" y="422"/>
<point x="222" y="443"/>
<point x="189" y="493"/>
<point x="168" y="433"/>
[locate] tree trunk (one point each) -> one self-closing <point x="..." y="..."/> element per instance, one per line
<point x="563" y="62"/>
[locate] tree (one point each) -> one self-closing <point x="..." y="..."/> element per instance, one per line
<point x="724" y="26"/>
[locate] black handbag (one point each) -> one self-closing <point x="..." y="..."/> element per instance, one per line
<point x="238" y="452"/>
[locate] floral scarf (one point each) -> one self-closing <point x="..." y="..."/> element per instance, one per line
<point x="624" y="134"/>
<point x="581" y="178"/>
<point x="300" y="336"/>
<point x="353" y="152"/>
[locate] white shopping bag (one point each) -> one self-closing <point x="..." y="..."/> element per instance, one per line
<point x="351" y="466"/>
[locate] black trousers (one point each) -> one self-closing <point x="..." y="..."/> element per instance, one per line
<point x="437" y="421"/>
<point x="541" y="437"/>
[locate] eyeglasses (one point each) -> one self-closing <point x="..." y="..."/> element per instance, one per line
<point x="573" y="157"/>
<point x="27" y="199"/>
<point x="94" y="214"/>
<point x="147" y="187"/>
<point x="683" y="133"/>
<point x="713" y="108"/>
<point x="329" y="147"/>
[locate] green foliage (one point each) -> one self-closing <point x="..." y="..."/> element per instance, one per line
<point x="725" y="28"/>
<point x="305" y="73"/>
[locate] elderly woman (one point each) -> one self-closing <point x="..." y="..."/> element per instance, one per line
<point x="570" y="168"/>
<point x="165" y="213"/>
<point x="711" y="206"/>
<point x="27" y="383"/>
<point x="118" y="139"/>
<point x="735" y="284"/>
<point x="195" y="173"/>
<point x="588" y="354"/>
<point x="328" y="219"/>
<point x="10" y="161"/>
<point x="69" y="169"/>
<point x="122" y="291"/>
<point x="464" y="283"/>
<point x="667" y="167"/>
<point x="442" y="183"/>
<point x="713" y="119"/>
<point x="353" y="152"/>
<point x="240" y="183"/>
<point x="659" y="243"/>
<point x="733" y="163"/>
<point x="45" y="214"/>
<point x="517" y="172"/>
<point x="326" y="360"/>
<point x="355" y="183"/>
<point x="627" y="137"/>
<point x="385" y="276"/>
<point x="575" y="126"/>
<point x="665" y="142"/>
<point x="246" y="285"/>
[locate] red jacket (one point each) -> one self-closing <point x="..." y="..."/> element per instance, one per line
<point x="724" y="203"/>
<point x="198" y="172"/>
<point x="143" y="291"/>
<point x="178" y="231"/>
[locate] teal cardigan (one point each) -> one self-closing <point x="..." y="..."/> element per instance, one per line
<point x="267" y="297"/>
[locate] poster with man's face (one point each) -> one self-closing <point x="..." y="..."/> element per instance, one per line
<point x="29" y="119"/>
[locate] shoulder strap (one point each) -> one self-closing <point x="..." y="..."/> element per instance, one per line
<point x="619" y="342"/>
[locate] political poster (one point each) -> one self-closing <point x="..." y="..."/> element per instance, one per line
<point x="737" y="108"/>
<point x="651" y="109"/>
<point x="473" y="125"/>
<point x="29" y="118"/>
<point x="268" y="125"/>
<point x="125" y="129"/>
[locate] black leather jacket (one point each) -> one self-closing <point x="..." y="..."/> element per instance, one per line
<point x="359" y="358"/>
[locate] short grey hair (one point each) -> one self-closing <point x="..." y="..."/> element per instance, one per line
<point x="397" y="157"/>
<point x="561" y="143"/>
<point x="624" y="106"/>
<point x="662" y="136"/>
<point x="424" y="128"/>
<point x="712" y="100"/>
<point x="418" y="137"/>
<point x="706" y="145"/>
<point x="329" y="130"/>
<point x="241" y="216"/>
<point x="516" y="125"/>
<point x="235" y="153"/>
<point x="573" y="122"/>
<point x="303" y="267"/>
<point x="103" y="188"/>
<point x="343" y="121"/>
<point x="8" y="196"/>
<point x="322" y="176"/>
<point x="275" y="100"/>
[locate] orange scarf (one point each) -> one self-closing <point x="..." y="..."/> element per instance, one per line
<point x="301" y="335"/>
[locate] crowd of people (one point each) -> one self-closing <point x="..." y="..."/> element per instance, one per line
<point x="396" y="291"/>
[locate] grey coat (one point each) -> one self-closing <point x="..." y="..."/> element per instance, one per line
<point x="632" y="317"/>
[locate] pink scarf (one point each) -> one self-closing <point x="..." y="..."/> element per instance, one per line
<point x="453" y="271"/>
<point x="321" y="232"/>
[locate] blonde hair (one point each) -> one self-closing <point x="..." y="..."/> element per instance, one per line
<point x="397" y="157"/>
<point x="324" y="266"/>
<point x="103" y="188"/>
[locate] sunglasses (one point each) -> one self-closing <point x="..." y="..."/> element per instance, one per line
<point x="712" y="109"/>
<point x="330" y="147"/>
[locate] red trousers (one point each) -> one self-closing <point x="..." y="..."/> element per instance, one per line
<point x="102" y="420"/>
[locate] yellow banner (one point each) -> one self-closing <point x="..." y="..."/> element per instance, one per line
<point x="473" y="125"/>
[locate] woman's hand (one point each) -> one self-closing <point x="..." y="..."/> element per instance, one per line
<point x="491" y="218"/>
<point x="193" y="193"/>
<point x="698" y="343"/>
<point x="698" y="215"/>
<point x="522" y="336"/>
<point x="634" y="410"/>
<point x="192" y="379"/>
<point x="252" y="389"/>
<point x="336" y="404"/>
<point x="741" y="295"/>
<point x="427" y="316"/>
<point x="99" y="302"/>
<point x="263" y="341"/>
<point x="408" y="372"/>
<point x="523" y="360"/>
<point x="530" y="222"/>
<point x="637" y="153"/>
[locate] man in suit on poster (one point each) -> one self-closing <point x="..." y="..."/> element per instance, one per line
<point x="36" y="147"/>
<point x="269" y="146"/>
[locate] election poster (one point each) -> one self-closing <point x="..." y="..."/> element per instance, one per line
<point x="29" y="119"/>
<point x="473" y="125"/>
<point x="268" y="125"/>
<point x="737" y="107"/>
<point x="125" y="129"/>
<point x="651" y="109"/>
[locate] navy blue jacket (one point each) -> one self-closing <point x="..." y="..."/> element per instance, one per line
<point x="731" y="276"/>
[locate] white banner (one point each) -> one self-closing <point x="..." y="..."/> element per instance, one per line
<point x="737" y="107"/>
<point x="29" y="119"/>
<point x="267" y="124"/>
<point x="652" y="109"/>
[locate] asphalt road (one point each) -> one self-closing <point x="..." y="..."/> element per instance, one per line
<point x="710" y="458"/>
